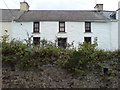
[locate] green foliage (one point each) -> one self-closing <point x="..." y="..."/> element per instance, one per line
<point x="27" y="55"/>
<point x="88" y="57"/>
<point x="29" y="39"/>
<point x="24" y="55"/>
<point x="13" y="51"/>
<point x="81" y="58"/>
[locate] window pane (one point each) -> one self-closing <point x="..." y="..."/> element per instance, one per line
<point x="87" y="39"/>
<point x="36" y="40"/>
<point x="87" y="26"/>
<point x="62" y="42"/>
<point x="36" y="30"/>
<point x="61" y="29"/>
<point x="36" y="27"/>
<point x="61" y="24"/>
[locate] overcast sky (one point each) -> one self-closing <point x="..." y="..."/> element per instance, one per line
<point x="61" y="4"/>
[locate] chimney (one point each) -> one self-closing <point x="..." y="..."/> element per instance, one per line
<point x="24" y="6"/>
<point x="119" y="5"/>
<point x="99" y="7"/>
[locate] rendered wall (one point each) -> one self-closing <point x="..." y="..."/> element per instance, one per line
<point x="119" y="25"/>
<point x="5" y="26"/>
<point x="105" y="32"/>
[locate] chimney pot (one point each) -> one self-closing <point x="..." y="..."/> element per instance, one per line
<point x="99" y="7"/>
<point x="24" y="6"/>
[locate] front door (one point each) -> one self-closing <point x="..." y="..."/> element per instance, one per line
<point x="62" y="42"/>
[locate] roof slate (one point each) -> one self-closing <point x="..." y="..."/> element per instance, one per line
<point x="60" y="15"/>
<point x="10" y="14"/>
<point x="52" y="15"/>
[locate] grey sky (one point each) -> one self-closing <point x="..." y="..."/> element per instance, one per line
<point x="62" y="4"/>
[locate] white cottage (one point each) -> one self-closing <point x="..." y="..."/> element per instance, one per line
<point x="65" y="26"/>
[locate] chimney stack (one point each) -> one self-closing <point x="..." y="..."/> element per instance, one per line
<point x="99" y="7"/>
<point x="24" y="6"/>
<point x="119" y="5"/>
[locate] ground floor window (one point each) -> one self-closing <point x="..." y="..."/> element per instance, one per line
<point x="62" y="42"/>
<point x="36" y="40"/>
<point x="105" y="71"/>
<point x="87" y="39"/>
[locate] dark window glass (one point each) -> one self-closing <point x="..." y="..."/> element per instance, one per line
<point x="87" y="26"/>
<point x="87" y="39"/>
<point x="36" y="40"/>
<point x="36" y="27"/>
<point x="62" y="42"/>
<point x="61" y="26"/>
<point x="105" y="70"/>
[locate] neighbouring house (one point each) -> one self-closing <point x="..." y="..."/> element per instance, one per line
<point x="118" y="15"/>
<point x="64" y="26"/>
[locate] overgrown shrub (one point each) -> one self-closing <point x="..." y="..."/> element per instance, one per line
<point x="27" y="55"/>
<point x="88" y="57"/>
<point x="13" y="51"/>
<point x="24" y="55"/>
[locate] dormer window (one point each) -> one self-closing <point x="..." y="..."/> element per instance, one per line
<point x="61" y="26"/>
<point x="87" y="26"/>
<point x="36" y="27"/>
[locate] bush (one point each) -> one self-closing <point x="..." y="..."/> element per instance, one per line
<point x="88" y="57"/>
<point x="81" y="58"/>
<point x="24" y="55"/>
<point x="85" y="58"/>
<point x="13" y="51"/>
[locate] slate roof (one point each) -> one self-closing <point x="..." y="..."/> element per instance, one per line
<point x="10" y="14"/>
<point x="53" y="15"/>
<point x="109" y="14"/>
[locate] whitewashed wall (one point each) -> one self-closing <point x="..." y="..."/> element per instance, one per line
<point x="114" y="35"/>
<point x="119" y="25"/>
<point x="20" y="30"/>
<point x="106" y="32"/>
<point x="5" y="26"/>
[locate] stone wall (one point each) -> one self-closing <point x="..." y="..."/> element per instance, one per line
<point x="53" y="76"/>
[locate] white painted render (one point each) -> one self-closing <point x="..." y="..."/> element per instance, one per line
<point x="114" y="35"/>
<point x="5" y="26"/>
<point x="106" y="32"/>
<point x="119" y="25"/>
<point x="20" y="30"/>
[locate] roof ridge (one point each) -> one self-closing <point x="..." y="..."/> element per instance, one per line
<point x="9" y="9"/>
<point x="62" y="10"/>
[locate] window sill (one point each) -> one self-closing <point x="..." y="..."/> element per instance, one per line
<point x="87" y="32"/>
<point x="62" y="32"/>
<point x="36" y="33"/>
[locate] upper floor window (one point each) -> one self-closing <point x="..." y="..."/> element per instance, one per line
<point x="61" y="26"/>
<point x="36" y="27"/>
<point x="87" y="26"/>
